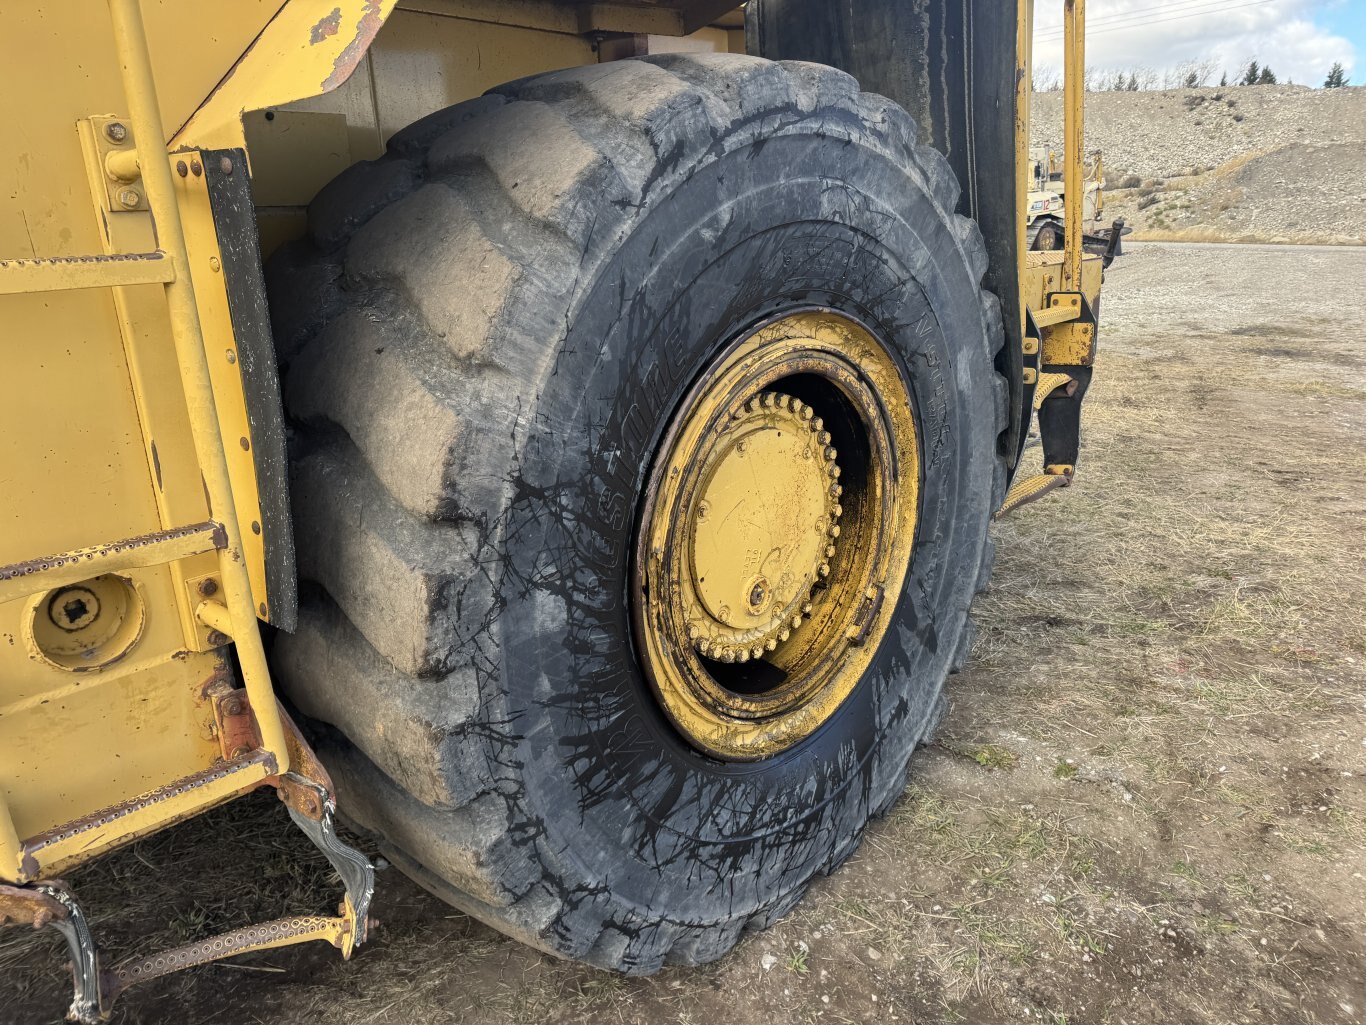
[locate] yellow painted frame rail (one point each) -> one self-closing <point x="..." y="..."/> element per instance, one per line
<point x="62" y="273"/>
<point x="1074" y="112"/>
<point x="19" y="580"/>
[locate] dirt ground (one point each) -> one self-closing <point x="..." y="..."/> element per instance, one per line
<point x="1145" y="805"/>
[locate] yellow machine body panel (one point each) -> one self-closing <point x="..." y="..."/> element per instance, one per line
<point x="108" y="676"/>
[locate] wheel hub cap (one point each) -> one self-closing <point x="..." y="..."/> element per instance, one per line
<point x="776" y="534"/>
<point x="763" y="529"/>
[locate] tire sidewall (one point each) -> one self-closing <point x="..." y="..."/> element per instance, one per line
<point x="619" y="800"/>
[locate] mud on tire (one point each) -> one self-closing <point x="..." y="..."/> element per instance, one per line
<point x="483" y="337"/>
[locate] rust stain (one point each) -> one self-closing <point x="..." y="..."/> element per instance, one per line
<point x="238" y="733"/>
<point x="327" y="26"/>
<point x="370" y="21"/>
<point x="29" y="907"/>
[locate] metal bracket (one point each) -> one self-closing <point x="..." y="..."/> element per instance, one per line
<point x="1053" y="393"/>
<point x="197" y="589"/>
<point x="1031" y="345"/>
<point x="51" y="904"/>
<point x="114" y="152"/>
<point x="1073" y="342"/>
<point x="357" y="874"/>
<point x="87" y="1004"/>
<point x="234" y="722"/>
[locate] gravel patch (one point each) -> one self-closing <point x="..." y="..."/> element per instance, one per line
<point x="1247" y="163"/>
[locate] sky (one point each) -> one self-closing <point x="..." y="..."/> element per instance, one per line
<point x="1298" y="39"/>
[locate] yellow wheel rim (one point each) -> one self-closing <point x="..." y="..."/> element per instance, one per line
<point x="777" y="533"/>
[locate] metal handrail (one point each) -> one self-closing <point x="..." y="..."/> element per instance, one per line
<point x="1074" y="143"/>
<point x="135" y="65"/>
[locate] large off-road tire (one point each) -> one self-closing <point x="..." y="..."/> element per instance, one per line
<point x="485" y="335"/>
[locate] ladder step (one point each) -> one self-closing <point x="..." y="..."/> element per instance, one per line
<point x="20" y="579"/>
<point x="263" y="936"/>
<point x="1047" y="385"/>
<point x="1030" y="489"/>
<point x="1054" y="315"/>
<point x="67" y="273"/>
<point x="50" y="852"/>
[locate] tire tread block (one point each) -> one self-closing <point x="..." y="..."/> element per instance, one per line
<point x="413" y="730"/>
<point x="413" y="589"/>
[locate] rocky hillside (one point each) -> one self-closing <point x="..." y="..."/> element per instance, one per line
<point x="1253" y="163"/>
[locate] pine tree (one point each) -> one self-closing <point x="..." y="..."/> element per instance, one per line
<point x="1250" y="75"/>
<point x="1267" y="77"/>
<point x="1337" y="78"/>
<point x="1133" y="82"/>
<point x="1223" y="80"/>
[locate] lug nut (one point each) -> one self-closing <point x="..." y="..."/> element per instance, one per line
<point x="115" y="131"/>
<point x="208" y="587"/>
<point x="130" y="198"/>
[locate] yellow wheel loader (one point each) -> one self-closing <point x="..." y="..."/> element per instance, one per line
<point x="557" y="437"/>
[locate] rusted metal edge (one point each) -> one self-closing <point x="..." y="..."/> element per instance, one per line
<point x="24" y="906"/>
<point x="248" y="85"/>
<point x="369" y="23"/>
<point x="20" y="579"/>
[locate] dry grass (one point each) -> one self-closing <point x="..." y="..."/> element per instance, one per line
<point x="1203" y="233"/>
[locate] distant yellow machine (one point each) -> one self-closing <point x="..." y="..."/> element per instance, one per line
<point x="1046" y="211"/>
<point x="598" y="464"/>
